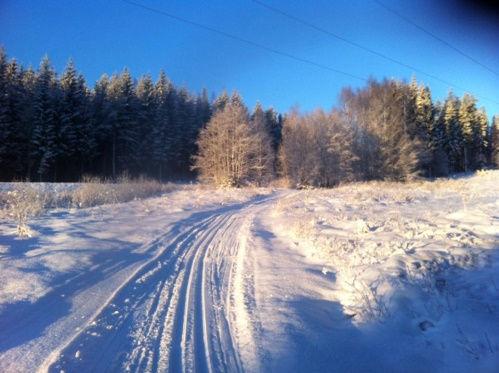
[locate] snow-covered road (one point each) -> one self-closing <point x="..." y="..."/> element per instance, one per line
<point x="179" y="303"/>
<point x="177" y="312"/>
<point x="353" y="279"/>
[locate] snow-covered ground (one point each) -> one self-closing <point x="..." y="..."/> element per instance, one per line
<point x="365" y="277"/>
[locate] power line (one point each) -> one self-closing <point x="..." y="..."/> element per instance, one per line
<point x="243" y="40"/>
<point x="275" y="51"/>
<point x="360" y="46"/>
<point x="434" y="36"/>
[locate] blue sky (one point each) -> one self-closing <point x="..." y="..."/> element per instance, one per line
<point x="105" y="36"/>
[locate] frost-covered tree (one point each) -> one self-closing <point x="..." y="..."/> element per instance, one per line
<point x="123" y="123"/>
<point x="424" y="123"/>
<point x="264" y="156"/>
<point x="184" y="131"/>
<point x="468" y="123"/>
<point x="383" y="144"/>
<point x="317" y="149"/>
<point x="480" y="138"/>
<point x="221" y="101"/>
<point x="297" y="154"/>
<point x="454" y="140"/>
<point x="12" y="141"/>
<point x="6" y="125"/>
<point x="274" y="122"/>
<point x="101" y="125"/>
<point x="77" y="139"/>
<point x="494" y="142"/>
<point x="146" y="121"/>
<point x="440" y="161"/>
<point x="45" y="127"/>
<point x="226" y="147"/>
<point x="162" y="139"/>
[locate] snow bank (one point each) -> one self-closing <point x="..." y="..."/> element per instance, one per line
<point x="69" y="241"/>
<point x="419" y="258"/>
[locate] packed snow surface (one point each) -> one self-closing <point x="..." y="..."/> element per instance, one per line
<point x="365" y="277"/>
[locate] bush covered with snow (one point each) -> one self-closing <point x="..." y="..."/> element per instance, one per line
<point x="22" y="201"/>
<point x="95" y="191"/>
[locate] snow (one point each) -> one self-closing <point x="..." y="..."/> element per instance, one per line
<point x="413" y="267"/>
<point x="365" y="277"/>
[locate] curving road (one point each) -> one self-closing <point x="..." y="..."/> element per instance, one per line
<point x="187" y="309"/>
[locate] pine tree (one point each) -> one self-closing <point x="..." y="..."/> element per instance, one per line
<point x="45" y="128"/>
<point x="424" y="127"/>
<point x="5" y="122"/>
<point x="162" y="131"/>
<point x="440" y="160"/>
<point x="467" y="121"/>
<point x="183" y="130"/>
<point x="236" y="99"/>
<point x="221" y="101"/>
<point x="77" y="139"/>
<point x="454" y="136"/>
<point x="28" y="84"/>
<point x="11" y="108"/>
<point x="146" y="119"/>
<point x="100" y="112"/>
<point x="123" y="124"/>
<point x="203" y="109"/>
<point x="274" y="122"/>
<point x="480" y="138"/>
<point x="264" y="157"/>
<point x="494" y="142"/>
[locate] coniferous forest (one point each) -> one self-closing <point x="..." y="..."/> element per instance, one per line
<point x="54" y="127"/>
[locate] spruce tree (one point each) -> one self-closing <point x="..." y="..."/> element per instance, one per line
<point x="424" y="127"/>
<point x="5" y="122"/>
<point x="77" y="140"/>
<point x="123" y="124"/>
<point x="221" y="101"/>
<point x="183" y="128"/>
<point x="146" y="120"/>
<point x="264" y="157"/>
<point x="467" y="121"/>
<point x="11" y="109"/>
<point x="162" y="131"/>
<point x="454" y="136"/>
<point x="101" y="125"/>
<point x="274" y="122"/>
<point x="494" y="142"/>
<point x="45" y="128"/>
<point x="480" y="138"/>
<point x="440" y="160"/>
<point x="28" y="84"/>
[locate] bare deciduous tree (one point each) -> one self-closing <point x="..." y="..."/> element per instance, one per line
<point x="316" y="149"/>
<point x="226" y="148"/>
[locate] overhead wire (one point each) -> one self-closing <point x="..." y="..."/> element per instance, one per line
<point x="363" y="47"/>
<point x="434" y="36"/>
<point x="286" y="54"/>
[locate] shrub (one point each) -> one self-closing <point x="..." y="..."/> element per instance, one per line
<point x="23" y="203"/>
<point x="95" y="191"/>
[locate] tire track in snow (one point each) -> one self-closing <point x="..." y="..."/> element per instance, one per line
<point x="174" y="313"/>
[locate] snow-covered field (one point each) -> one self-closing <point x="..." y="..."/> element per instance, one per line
<point x="365" y="277"/>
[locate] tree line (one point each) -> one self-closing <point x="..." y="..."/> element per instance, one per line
<point x="387" y="130"/>
<point x="55" y="128"/>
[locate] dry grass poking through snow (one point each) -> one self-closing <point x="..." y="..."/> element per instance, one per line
<point x="22" y="201"/>
<point x="398" y="246"/>
<point x="95" y="192"/>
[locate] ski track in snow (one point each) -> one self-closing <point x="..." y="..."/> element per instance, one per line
<point x="178" y="311"/>
<point x="267" y="284"/>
